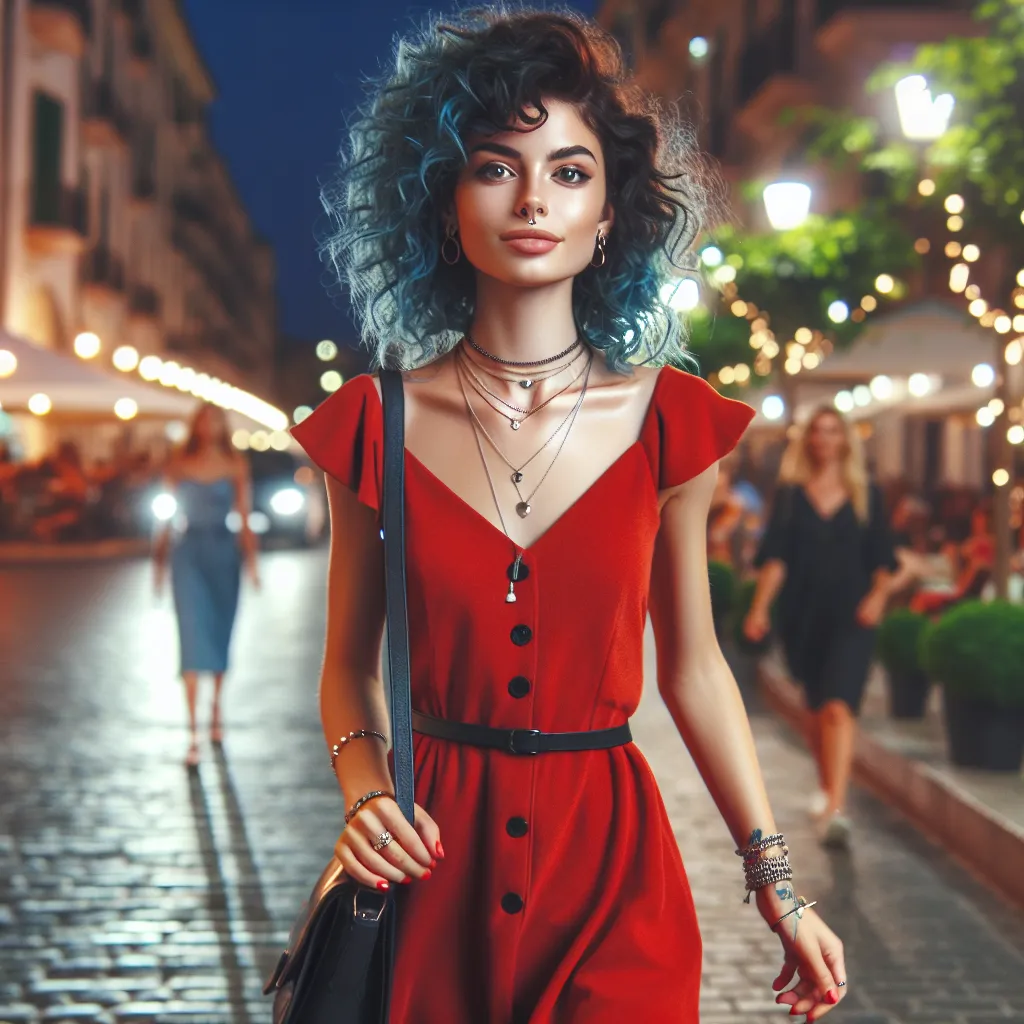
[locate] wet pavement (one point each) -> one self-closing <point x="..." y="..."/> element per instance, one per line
<point x="132" y="891"/>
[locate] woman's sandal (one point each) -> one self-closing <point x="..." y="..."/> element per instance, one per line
<point x="192" y="757"/>
<point x="217" y="733"/>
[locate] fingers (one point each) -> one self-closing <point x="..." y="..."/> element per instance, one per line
<point x="408" y="837"/>
<point x="428" y="832"/>
<point x="785" y="975"/>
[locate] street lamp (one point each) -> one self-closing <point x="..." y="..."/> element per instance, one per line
<point x="922" y="117"/>
<point x="787" y="204"/>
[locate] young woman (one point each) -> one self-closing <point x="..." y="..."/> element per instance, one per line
<point x="828" y="555"/>
<point x="209" y="479"/>
<point x="508" y="213"/>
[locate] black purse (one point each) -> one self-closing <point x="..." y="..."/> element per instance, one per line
<point x="339" y="963"/>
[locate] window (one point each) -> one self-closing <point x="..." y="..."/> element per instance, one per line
<point x="47" y="146"/>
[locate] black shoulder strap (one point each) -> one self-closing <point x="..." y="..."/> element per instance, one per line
<point x="400" y="701"/>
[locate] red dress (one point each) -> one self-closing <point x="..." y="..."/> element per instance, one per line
<point x="562" y="896"/>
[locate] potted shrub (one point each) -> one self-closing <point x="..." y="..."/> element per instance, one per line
<point x="723" y="593"/>
<point x="898" y="639"/>
<point x="976" y="652"/>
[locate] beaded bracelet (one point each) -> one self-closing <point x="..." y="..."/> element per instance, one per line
<point x="373" y="794"/>
<point x="357" y="735"/>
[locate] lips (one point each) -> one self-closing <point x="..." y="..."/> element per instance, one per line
<point x="530" y="242"/>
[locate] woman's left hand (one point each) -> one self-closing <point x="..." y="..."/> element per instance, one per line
<point x="815" y="958"/>
<point x="871" y="609"/>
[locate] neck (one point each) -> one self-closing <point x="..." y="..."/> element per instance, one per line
<point x="523" y="323"/>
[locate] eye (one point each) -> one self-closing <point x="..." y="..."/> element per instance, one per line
<point x="494" y="172"/>
<point x="580" y="175"/>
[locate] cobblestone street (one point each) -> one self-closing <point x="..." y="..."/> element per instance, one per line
<point x="130" y="891"/>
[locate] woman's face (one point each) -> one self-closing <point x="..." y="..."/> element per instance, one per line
<point x="557" y="173"/>
<point x="826" y="439"/>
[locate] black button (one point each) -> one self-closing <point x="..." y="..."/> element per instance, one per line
<point x="516" y="827"/>
<point x="522" y="574"/>
<point x="521" y="635"/>
<point x="511" y="903"/>
<point x="519" y="686"/>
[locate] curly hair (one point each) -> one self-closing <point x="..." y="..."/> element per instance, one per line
<point x="484" y="71"/>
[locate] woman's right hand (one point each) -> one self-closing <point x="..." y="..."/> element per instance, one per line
<point x="412" y="853"/>
<point x="756" y="625"/>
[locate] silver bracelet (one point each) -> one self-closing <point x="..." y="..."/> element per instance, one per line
<point x="373" y="794"/>
<point x="801" y="906"/>
<point x="357" y="735"/>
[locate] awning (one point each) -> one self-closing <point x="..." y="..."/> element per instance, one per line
<point x="75" y="387"/>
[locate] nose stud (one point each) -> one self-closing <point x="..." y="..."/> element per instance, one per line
<point x="532" y="218"/>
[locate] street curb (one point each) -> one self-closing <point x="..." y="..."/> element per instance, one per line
<point x="57" y="554"/>
<point x="988" y="844"/>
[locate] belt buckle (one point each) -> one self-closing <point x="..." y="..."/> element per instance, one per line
<point x="512" y="740"/>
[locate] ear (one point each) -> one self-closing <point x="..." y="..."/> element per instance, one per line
<point x="607" y="219"/>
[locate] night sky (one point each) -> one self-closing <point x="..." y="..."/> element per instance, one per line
<point x="286" y="73"/>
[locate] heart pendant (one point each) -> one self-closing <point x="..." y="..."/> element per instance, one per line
<point x="522" y="509"/>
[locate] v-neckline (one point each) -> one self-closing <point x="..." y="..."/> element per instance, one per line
<point x="818" y="513"/>
<point x="574" y="506"/>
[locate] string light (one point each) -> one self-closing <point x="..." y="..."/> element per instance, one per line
<point x="869" y="303"/>
<point x="884" y="284"/>
<point x="1015" y="435"/>
<point x="727" y="375"/>
<point x="954" y="204"/>
<point x="803" y="336"/>
<point x="984" y="417"/>
<point x="971" y="253"/>
<point x="1014" y="352"/>
<point x="922" y="246"/>
<point x="953" y="249"/>
<point x="1002" y="324"/>
<point x="926" y="187"/>
<point x="958" y="277"/>
<point x="742" y="373"/>
<point x="1018" y="323"/>
<point x="972" y="292"/>
<point x="997" y="407"/>
<point x="1000" y="477"/>
<point x="955" y="223"/>
<point x="739" y="308"/>
<point x="978" y="307"/>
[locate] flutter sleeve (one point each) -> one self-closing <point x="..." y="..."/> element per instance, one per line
<point x="879" y="544"/>
<point x="696" y="426"/>
<point x="344" y="436"/>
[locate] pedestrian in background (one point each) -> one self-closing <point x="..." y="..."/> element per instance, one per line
<point x="209" y="480"/>
<point x="828" y="555"/>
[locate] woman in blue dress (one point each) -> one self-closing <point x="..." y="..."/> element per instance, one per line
<point x="209" y="480"/>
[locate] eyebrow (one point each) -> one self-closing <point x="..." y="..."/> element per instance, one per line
<point x="555" y="154"/>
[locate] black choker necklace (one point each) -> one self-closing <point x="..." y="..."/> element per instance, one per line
<point x="526" y="362"/>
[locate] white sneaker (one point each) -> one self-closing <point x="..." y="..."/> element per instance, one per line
<point x="835" y="831"/>
<point x="818" y="804"/>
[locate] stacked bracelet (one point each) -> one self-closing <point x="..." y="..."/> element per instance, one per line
<point x="761" y="871"/>
<point x="357" y="735"/>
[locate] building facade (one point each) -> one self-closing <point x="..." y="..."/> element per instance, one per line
<point x="117" y="216"/>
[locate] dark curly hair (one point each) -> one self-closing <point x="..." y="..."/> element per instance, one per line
<point x="480" y="72"/>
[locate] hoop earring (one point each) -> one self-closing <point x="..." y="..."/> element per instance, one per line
<point x="449" y="236"/>
<point x="601" y="243"/>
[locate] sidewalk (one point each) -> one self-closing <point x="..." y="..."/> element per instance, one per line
<point x="978" y="816"/>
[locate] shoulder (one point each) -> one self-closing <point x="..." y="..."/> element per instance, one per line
<point x="690" y="427"/>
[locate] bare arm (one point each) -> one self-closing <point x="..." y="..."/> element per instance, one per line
<point x="352" y="697"/>
<point x="705" y="703"/>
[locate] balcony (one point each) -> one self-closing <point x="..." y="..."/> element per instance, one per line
<point x="104" y="122"/>
<point x="144" y="303"/>
<point x="769" y="78"/>
<point x="102" y="275"/>
<point x="58" y="222"/>
<point x="60" y="25"/>
<point x="869" y="32"/>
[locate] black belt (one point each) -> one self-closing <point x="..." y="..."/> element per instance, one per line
<point x="520" y="741"/>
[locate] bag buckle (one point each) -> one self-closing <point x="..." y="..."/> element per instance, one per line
<point x="523" y="741"/>
<point x="367" y="913"/>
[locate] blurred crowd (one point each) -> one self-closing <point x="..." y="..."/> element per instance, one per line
<point x="59" y="498"/>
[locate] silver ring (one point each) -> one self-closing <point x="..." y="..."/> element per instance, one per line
<point x="382" y="840"/>
<point x="840" y="984"/>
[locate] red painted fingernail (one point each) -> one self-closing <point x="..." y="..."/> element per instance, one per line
<point x="426" y="875"/>
<point x="439" y="848"/>
<point x="792" y="1011"/>
<point x="383" y="886"/>
<point x="407" y="880"/>
<point x="832" y="996"/>
<point x="433" y="863"/>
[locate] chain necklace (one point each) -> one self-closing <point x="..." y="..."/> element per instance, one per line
<point x="524" y="382"/>
<point x="525" y="414"/>
<point x="525" y="362"/>
<point x="517" y="471"/>
<point x="517" y="551"/>
<point x="523" y="507"/>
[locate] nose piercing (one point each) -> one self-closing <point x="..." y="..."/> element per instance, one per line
<point x="533" y="219"/>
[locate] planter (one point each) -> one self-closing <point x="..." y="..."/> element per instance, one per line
<point x="982" y="735"/>
<point x="908" y="694"/>
<point x="965" y="729"/>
